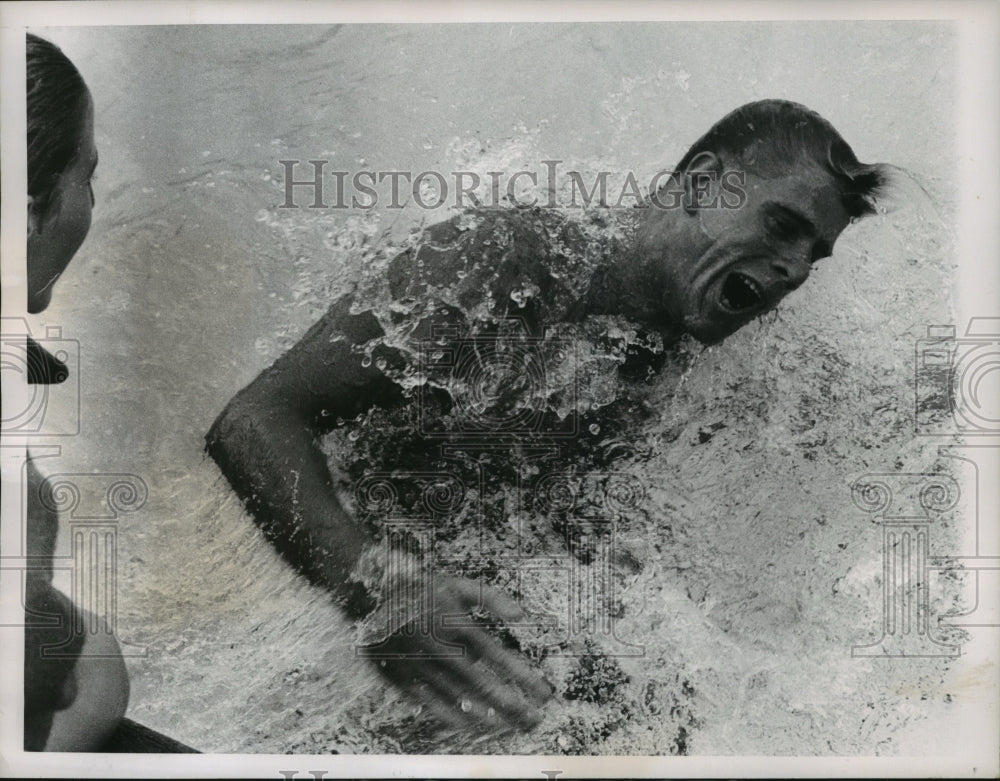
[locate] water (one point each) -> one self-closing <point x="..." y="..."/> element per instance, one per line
<point x="193" y="280"/>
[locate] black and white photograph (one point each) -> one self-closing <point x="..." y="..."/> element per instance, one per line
<point x="477" y="390"/>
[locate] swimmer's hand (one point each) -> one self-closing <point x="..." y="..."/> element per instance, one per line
<point x="457" y="669"/>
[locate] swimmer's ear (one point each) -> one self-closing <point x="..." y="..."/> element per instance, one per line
<point x="701" y="181"/>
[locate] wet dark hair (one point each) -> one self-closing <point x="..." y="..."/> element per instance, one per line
<point x="776" y="136"/>
<point x="57" y="96"/>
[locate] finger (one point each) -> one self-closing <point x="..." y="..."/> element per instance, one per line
<point x="511" y="668"/>
<point x="474" y="698"/>
<point x="426" y="681"/>
<point x="502" y="687"/>
<point x="487" y="655"/>
<point x="483" y="647"/>
<point x="439" y="702"/>
<point x="425" y="659"/>
<point x="498" y="676"/>
<point x="449" y="698"/>
<point x="487" y="694"/>
<point x="509" y="702"/>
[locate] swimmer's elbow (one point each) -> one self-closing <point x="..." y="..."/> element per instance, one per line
<point x="242" y="446"/>
<point x="235" y="428"/>
<point x="279" y="400"/>
<point x="283" y="400"/>
<point x="252" y="423"/>
<point x="221" y="432"/>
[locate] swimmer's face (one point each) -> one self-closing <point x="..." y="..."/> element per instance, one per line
<point x="724" y="267"/>
<point x="56" y="233"/>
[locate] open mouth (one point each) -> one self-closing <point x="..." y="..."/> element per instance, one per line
<point x="740" y="293"/>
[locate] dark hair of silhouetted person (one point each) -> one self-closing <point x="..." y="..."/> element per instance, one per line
<point x="56" y="97"/>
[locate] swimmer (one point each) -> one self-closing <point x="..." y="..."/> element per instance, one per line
<point x="673" y="267"/>
<point x="73" y="702"/>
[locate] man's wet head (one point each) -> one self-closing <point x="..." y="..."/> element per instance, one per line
<point x="754" y="203"/>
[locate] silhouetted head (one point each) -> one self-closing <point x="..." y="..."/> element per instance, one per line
<point x="61" y="162"/>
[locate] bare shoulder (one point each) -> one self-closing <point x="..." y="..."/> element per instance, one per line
<point x="476" y="266"/>
<point x="493" y="263"/>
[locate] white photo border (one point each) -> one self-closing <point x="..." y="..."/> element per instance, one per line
<point x="978" y="133"/>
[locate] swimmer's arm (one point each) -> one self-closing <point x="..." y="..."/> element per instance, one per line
<point x="266" y="444"/>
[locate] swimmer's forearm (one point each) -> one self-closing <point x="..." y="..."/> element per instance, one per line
<point x="265" y="443"/>
<point x="270" y="457"/>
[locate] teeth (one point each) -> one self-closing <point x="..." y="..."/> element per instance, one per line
<point x="740" y="292"/>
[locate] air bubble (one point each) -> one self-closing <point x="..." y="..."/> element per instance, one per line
<point x="594" y="429"/>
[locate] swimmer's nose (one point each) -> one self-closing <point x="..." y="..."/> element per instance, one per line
<point x="791" y="271"/>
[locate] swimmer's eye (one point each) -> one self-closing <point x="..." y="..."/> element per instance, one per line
<point x="787" y="224"/>
<point x="782" y="227"/>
